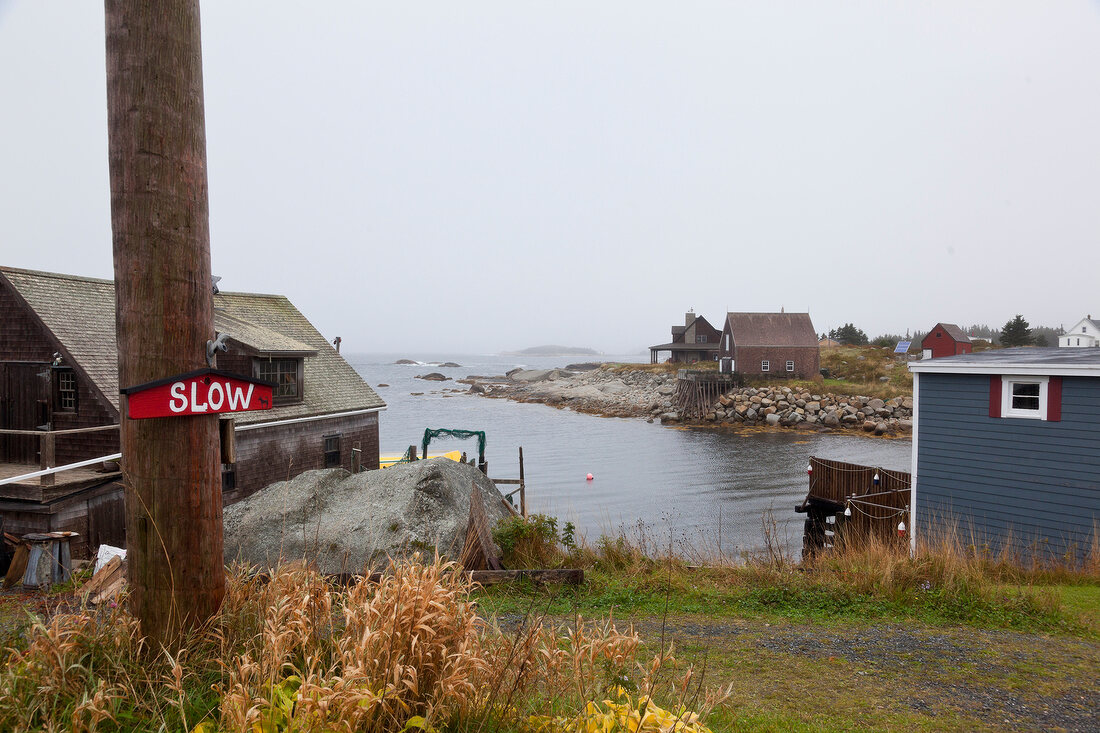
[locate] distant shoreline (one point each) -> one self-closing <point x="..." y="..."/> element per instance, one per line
<point x="552" y="351"/>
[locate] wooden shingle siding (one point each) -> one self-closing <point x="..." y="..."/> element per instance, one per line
<point x="1037" y="481"/>
<point x="271" y="454"/>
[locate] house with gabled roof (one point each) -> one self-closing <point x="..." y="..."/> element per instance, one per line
<point x="773" y="345"/>
<point x="945" y="339"/>
<point x="694" y="341"/>
<point x="1084" y="333"/>
<point x="59" y="372"/>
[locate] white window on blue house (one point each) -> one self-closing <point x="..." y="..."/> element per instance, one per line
<point x="1024" y="397"/>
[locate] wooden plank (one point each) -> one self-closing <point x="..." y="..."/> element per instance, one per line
<point x="18" y="566"/>
<point x="103" y="578"/>
<point x="568" y="576"/>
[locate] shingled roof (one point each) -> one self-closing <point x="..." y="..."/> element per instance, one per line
<point x="80" y="313"/>
<point x="772" y="329"/>
<point x="954" y="332"/>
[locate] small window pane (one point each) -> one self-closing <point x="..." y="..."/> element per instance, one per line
<point x="1025" y="396"/>
<point x="283" y="372"/>
<point x="66" y="391"/>
<point x="790" y="366"/>
<point x="765" y="366"/>
<point x="332" y="451"/>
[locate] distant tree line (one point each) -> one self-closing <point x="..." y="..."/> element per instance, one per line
<point x="1016" y="332"/>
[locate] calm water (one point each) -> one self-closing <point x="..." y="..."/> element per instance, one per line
<point x="684" y="486"/>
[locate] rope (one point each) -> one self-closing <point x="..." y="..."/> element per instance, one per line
<point x="897" y="513"/>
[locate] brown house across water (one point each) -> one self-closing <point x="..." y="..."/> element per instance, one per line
<point x="59" y="374"/>
<point x="696" y="340"/>
<point x="945" y="339"/>
<point x="775" y="345"/>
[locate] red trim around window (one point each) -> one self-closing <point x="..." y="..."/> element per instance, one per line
<point x="1054" y="399"/>
<point x="995" y="395"/>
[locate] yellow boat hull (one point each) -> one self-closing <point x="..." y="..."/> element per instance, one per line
<point x="387" y="461"/>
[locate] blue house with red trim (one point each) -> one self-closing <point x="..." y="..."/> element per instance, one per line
<point x="1006" y="449"/>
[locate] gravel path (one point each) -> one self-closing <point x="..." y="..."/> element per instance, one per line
<point x="1008" y="680"/>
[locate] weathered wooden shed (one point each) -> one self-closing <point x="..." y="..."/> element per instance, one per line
<point x="59" y="397"/>
<point x="1006" y="449"/>
<point x="945" y="339"/>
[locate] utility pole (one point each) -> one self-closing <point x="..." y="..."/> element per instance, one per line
<point x="164" y="308"/>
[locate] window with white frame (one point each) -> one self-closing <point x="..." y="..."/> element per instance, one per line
<point x="790" y="366"/>
<point x="1024" y="397"/>
<point x="765" y="365"/>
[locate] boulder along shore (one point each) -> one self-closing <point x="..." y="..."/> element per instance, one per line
<point x="614" y="392"/>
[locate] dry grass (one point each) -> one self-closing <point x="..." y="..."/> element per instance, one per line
<point x="292" y="653"/>
<point x="859" y="369"/>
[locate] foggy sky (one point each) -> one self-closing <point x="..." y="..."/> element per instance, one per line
<point x="476" y="177"/>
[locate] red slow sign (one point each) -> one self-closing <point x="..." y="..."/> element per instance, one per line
<point x="202" y="392"/>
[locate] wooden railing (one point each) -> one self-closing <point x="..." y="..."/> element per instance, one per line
<point x="47" y="447"/>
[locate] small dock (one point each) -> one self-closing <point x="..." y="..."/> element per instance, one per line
<point x="698" y="389"/>
<point x="853" y="503"/>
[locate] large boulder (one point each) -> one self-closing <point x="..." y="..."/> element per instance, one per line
<point x="345" y="522"/>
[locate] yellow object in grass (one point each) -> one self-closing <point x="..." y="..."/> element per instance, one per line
<point x="621" y="717"/>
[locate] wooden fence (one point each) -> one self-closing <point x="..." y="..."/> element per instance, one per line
<point x="866" y="501"/>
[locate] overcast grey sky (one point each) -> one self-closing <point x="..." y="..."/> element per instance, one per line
<point x="476" y="177"/>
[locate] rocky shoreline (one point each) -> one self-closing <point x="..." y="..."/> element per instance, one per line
<point x="614" y="392"/>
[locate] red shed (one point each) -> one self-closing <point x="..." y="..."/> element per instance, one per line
<point x="945" y="339"/>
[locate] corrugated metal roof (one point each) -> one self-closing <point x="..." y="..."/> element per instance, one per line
<point x="772" y="329"/>
<point x="80" y="312"/>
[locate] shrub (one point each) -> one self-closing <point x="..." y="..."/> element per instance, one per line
<point x="534" y="542"/>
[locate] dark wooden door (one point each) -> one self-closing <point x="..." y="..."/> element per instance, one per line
<point x="26" y="406"/>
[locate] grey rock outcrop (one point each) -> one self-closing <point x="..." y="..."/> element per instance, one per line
<point x="347" y="522"/>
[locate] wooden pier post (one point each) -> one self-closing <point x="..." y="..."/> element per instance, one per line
<point x="522" y="487"/>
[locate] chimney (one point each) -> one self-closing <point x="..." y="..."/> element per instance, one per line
<point x="688" y="318"/>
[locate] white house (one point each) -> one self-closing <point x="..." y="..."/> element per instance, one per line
<point x="1085" y="332"/>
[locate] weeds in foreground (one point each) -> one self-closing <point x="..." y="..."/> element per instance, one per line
<point x="291" y="653"/>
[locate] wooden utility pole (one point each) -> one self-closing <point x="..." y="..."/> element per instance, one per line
<point x="164" y="307"/>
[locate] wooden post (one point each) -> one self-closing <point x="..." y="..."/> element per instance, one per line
<point x="356" y="460"/>
<point x="412" y="454"/>
<point x="522" y="487"/>
<point x="47" y="449"/>
<point x="164" y="309"/>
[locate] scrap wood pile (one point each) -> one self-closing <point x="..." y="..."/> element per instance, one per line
<point x="106" y="584"/>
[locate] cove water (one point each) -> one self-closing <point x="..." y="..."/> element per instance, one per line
<point x="688" y="487"/>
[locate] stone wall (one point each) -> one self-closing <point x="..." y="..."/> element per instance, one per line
<point x="783" y="406"/>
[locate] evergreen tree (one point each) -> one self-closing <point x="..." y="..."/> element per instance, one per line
<point x="849" y="334"/>
<point x="1016" y="332"/>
